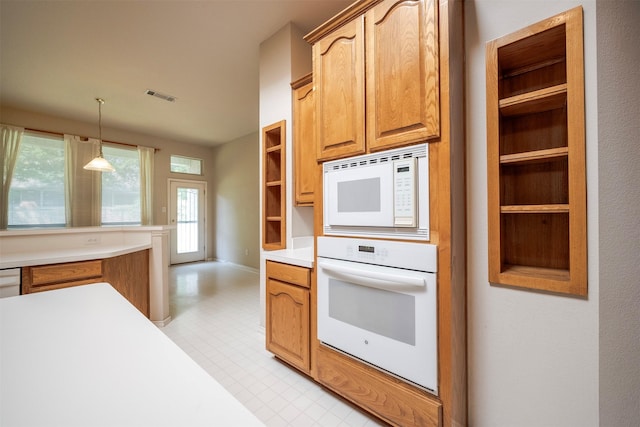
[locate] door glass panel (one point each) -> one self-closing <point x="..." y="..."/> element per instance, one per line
<point x="386" y="313"/>
<point x="187" y="220"/>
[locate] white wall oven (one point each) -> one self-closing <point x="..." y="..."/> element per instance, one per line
<point x="385" y="194"/>
<point x="377" y="302"/>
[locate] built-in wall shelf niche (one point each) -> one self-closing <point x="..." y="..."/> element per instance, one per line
<point x="274" y="186"/>
<point x="536" y="157"/>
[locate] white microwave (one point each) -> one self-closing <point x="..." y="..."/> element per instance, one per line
<point x="385" y="194"/>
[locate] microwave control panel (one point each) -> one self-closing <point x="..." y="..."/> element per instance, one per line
<point x="404" y="192"/>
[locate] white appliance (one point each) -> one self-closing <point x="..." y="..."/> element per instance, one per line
<point x="10" y="282"/>
<point x="377" y="301"/>
<point x="385" y="194"/>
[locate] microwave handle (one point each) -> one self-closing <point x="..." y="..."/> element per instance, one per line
<point x="374" y="279"/>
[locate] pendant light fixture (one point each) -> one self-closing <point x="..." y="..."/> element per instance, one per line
<point x="99" y="163"/>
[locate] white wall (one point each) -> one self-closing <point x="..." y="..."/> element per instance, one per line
<point x="532" y="357"/>
<point x="236" y="216"/>
<point x="619" y="205"/>
<point x="282" y="55"/>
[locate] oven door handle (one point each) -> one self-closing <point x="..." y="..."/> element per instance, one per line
<point x="370" y="277"/>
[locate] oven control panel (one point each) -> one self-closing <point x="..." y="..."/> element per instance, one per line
<point x="410" y="255"/>
<point x="367" y="253"/>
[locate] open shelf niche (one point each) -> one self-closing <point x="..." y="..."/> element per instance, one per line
<point x="274" y="186"/>
<point x="536" y="157"/>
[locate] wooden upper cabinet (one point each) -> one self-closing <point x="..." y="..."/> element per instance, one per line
<point x="402" y="75"/>
<point x="338" y="69"/>
<point x="304" y="140"/>
<point x="376" y="73"/>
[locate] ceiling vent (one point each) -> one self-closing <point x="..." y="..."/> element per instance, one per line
<point x="160" y="95"/>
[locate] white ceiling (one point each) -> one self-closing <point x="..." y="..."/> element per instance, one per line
<point x="56" y="57"/>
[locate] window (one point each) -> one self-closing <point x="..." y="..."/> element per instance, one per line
<point x="36" y="196"/>
<point x="37" y="193"/>
<point x="121" y="189"/>
<point x="188" y="165"/>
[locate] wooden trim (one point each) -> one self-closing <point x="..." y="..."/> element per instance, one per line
<point x="451" y="217"/>
<point x="307" y="78"/>
<point x="351" y="12"/>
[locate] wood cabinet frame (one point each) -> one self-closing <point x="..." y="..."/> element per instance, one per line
<point x="274" y="209"/>
<point x="536" y="157"/>
<point x="379" y="393"/>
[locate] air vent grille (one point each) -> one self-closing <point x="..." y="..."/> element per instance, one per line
<point x="161" y="95"/>
<point x="419" y="150"/>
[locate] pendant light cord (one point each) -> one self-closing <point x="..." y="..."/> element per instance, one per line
<point x="100" y="102"/>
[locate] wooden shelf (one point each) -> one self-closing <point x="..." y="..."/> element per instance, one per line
<point x="546" y="99"/>
<point x="536" y="157"/>
<point x="537" y="272"/>
<point x="516" y="209"/>
<point x="273" y="188"/>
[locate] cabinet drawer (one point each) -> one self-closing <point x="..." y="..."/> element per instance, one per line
<point x="52" y="276"/>
<point x="288" y="273"/>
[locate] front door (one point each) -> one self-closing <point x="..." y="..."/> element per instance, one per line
<point x="187" y="213"/>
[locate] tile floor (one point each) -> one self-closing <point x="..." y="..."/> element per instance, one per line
<point x="215" y="309"/>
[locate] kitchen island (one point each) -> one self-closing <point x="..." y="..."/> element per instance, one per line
<point x="48" y="246"/>
<point x="85" y="356"/>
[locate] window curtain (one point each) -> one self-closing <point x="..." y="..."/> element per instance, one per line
<point x="146" y="184"/>
<point x="83" y="188"/>
<point x="11" y="137"/>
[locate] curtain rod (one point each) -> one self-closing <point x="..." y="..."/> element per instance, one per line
<point x="104" y="141"/>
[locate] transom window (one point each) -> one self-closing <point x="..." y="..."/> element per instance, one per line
<point x="187" y="165"/>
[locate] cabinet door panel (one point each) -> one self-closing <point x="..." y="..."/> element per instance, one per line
<point x="402" y="73"/>
<point x="304" y="143"/>
<point x="288" y="323"/>
<point x="339" y="74"/>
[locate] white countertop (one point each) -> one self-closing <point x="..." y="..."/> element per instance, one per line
<point x="302" y="257"/>
<point x="42" y="256"/>
<point x="84" y="356"/>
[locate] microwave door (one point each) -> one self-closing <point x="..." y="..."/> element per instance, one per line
<point x="360" y="197"/>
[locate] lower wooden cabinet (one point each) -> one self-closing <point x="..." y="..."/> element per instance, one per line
<point x="288" y="319"/>
<point x="128" y="274"/>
